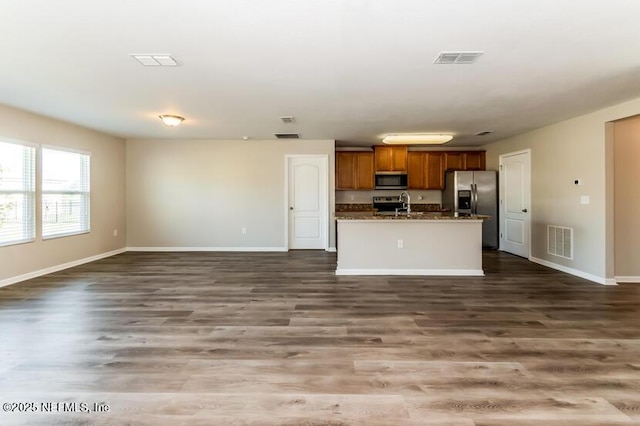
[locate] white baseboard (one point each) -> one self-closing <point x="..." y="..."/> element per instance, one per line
<point x="207" y="249"/>
<point x="623" y="279"/>
<point x="577" y="273"/>
<point x="331" y="249"/>
<point x="52" y="269"/>
<point x="438" y="272"/>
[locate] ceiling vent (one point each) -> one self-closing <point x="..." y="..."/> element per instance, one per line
<point x="156" y="60"/>
<point x="484" y="133"/>
<point x="288" y="119"/>
<point x="452" y="58"/>
<point x="287" y="135"/>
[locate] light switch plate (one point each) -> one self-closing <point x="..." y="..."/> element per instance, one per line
<point x="584" y="199"/>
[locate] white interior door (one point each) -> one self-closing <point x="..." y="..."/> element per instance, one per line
<point x="308" y="205"/>
<point x="515" y="202"/>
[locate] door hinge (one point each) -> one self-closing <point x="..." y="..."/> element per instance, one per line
<point x="500" y="166"/>
<point x="501" y="235"/>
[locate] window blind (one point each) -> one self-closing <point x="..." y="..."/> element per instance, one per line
<point x="65" y="193"/>
<point x="17" y="193"/>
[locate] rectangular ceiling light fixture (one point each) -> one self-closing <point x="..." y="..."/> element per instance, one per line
<point x="156" y="60"/>
<point x="416" y="139"/>
<point x="455" y="58"/>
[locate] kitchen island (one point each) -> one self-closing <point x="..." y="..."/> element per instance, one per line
<point x="418" y="244"/>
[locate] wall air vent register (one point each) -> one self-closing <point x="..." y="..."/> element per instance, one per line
<point x="560" y="241"/>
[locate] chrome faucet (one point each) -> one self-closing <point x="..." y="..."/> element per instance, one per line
<point x="406" y="205"/>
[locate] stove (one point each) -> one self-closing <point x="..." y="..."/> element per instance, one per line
<point x="387" y="205"/>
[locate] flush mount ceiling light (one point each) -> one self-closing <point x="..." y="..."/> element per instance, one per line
<point x="416" y="138"/>
<point x="171" y="120"/>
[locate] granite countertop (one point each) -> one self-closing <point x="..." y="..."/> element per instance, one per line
<point x="354" y="207"/>
<point x="413" y="216"/>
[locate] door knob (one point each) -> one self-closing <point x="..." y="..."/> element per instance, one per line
<point x="524" y="210"/>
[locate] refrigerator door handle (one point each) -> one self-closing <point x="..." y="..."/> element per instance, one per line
<point x="474" y="198"/>
<point x="476" y="187"/>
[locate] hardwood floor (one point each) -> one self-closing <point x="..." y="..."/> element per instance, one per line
<point x="279" y="339"/>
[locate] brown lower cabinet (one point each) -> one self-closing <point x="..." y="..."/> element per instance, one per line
<point x="425" y="170"/>
<point x="354" y="170"/>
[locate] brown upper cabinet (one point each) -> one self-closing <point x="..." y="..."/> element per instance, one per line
<point x="475" y="160"/>
<point x="425" y="170"/>
<point x="435" y="170"/>
<point x="391" y="158"/>
<point x="454" y="160"/>
<point x="464" y="160"/>
<point x="354" y="170"/>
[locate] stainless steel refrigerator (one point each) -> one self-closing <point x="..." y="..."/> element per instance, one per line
<point x="474" y="193"/>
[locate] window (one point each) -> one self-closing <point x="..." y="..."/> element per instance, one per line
<point x="65" y="193"/>
<point x="17" y="193"/>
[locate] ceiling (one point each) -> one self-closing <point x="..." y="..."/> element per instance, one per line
<point x="349" y="70"/>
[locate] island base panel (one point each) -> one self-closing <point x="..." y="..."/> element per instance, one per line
<point x="410" y="248"/>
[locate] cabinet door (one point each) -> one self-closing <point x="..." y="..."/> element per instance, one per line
<point x="399" y="158"/>
<point x="434" y="170"/>
<point x="474" y="160"/>
<point x="383" y="159"/>
<point x="416" y="170"/>
<point x="345" y="170"/>
<point x="391" y="158"/>
<point x="454" y="161"/>
<point x="364" y="170"/>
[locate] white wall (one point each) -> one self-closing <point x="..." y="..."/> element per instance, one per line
<point x="562" y="152"/>
<point x="107" y="195"/>
<point x="627" y="200"/>
<point x="201" y="193"/>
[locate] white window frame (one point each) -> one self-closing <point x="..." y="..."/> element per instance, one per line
<point x="86" y="193"/>
<point x="29" y="207"/>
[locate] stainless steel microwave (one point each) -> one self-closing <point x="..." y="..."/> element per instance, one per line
<point x="391" y="180"/>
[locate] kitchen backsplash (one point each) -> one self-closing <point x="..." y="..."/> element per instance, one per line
<point x="356" y="207"/>
<point x="366" y="197"/>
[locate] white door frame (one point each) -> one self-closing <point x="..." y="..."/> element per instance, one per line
<point x="324" y="196"/>
<point x="501" y="195"/>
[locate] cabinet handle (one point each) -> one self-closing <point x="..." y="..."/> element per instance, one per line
<point x="524" y="210"/>
<point x="290" y="208"/>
